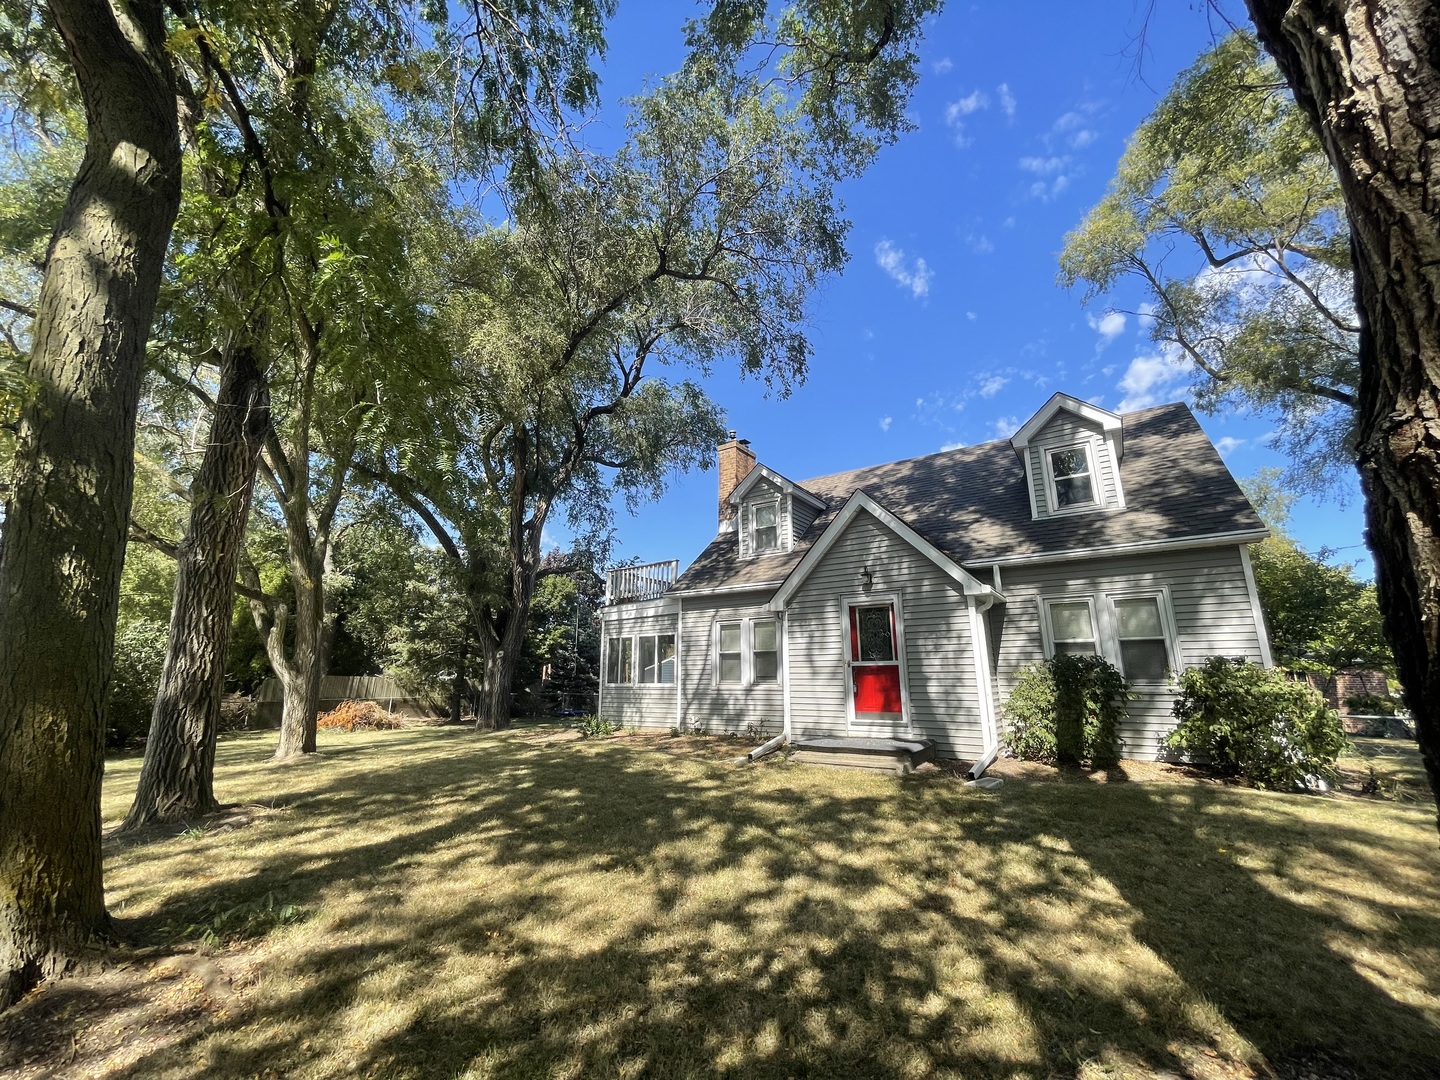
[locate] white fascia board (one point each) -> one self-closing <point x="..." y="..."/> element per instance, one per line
<point x="639" y="608"/>
<point x="789" y="487"/>
<point x="861" y="502"/>
<point x="723" y="590"/>
<point x="1246" y="536"/>
<point x="1107" y="420"/>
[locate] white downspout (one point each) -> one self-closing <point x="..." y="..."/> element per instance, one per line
<point x="679" y="665"/>
<point x="980" y="644"/>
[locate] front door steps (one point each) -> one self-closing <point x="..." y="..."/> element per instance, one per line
<point x="896" y="756"/>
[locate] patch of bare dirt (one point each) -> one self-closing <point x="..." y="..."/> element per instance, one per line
<point x="102" y="1023"/>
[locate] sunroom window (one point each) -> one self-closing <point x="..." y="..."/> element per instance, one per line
<point x="657" y="658"/>
<point x="1070" y="470"/>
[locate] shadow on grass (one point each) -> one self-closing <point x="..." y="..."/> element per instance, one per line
<point x="502" y="905"/>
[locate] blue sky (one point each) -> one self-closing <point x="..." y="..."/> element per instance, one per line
<point x="948" y="326"/>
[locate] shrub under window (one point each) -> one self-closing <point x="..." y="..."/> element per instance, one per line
<point x="1254" y="722"/>
<point x="1066" y="709"/>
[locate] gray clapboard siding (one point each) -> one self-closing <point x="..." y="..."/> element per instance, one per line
<point x="802" y="515"/>
<point x="1209" y="599"/>
<point x="725" y="708"/>
<point x="636" y="706"/>
<point x="940" y="670"/>
<point x="765" y="491"/>
<point x="1066" y="429"/>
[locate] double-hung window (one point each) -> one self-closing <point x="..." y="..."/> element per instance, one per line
<point x="765" y="527"/>
<point x="1140" y="633"/>
<point x="657" y="658"/>
<point x="747" y="651"/>
<point x="1072" y="626"/>
<point x="728" y="658"/>
<point x="1072" y="480"/>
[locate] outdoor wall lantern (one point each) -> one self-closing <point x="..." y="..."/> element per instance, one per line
<point x="866" y="578"/>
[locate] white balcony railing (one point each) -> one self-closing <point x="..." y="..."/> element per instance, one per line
<point x="644" y="582"/>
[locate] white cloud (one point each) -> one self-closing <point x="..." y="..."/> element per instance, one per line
<point x="1109" y="326"/>
<point x="952" y="446"/>
<point x="915" y="277"/>
<point x="885" y="423"/>
<point x="971" y="316"/>
<point x="1151" y="380"/>
<point x="1072" y="129"/>
<point x="980" y="245"/>
<point x="1005" y="426"/>
<point x="1043" y="166"/>
<point x="1046" y="192"/>
<point x="1082" y="139"/>
<point x="1227" y="444"/>
<point x="943" y="66"/>
<point x="1007" y="100"/>
<point x="993" y="385"/>
<point x="971" y="103"/>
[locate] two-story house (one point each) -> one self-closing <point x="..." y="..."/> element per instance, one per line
<point x="903" y="600"/>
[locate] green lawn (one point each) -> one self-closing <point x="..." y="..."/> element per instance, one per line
<point x="435" y="903"/>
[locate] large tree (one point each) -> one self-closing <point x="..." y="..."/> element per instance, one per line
<point x="70" y="502"/>
<point x="1226" y="213"/>
<point x="1367" y="74"/>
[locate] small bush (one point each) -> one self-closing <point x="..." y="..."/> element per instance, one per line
<point x="594" y="726"/>
<point x="1250" y="721"/>
<point x="358" y="716"/>
<point x="1370" y="705"/>
<point x="1065" y="709"/>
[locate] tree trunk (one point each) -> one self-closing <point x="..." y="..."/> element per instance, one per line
<point x="500" y="672"/>
<point x="1366" y="73"/>
<point x="301" y="672"/>
<point x="66" y="523"/>
<point x="177" y="778"/>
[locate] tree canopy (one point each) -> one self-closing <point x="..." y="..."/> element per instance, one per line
<point x="1226" y="212"/>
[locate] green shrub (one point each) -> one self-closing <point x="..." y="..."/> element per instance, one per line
<point x="139" y="657"/>
<point x="1370" y="705"/>
<point x="592" y="726"/>
<point x="1066" y="709"/>
<point x="1254" y="722"/>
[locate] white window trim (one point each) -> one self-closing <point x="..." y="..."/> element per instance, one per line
<point x="750" y="529"/>
<point x="1167" y="628"/>
<point x="747" y="653"/>
<point x="635" y="659"/>
<point x="1097" y="492"/>
<point x="1107" y="624"/>
<point x="874" y="600"/>
<point x="1047" y="626"/>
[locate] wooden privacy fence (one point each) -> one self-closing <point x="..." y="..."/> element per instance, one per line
<point x="384" y="691"/>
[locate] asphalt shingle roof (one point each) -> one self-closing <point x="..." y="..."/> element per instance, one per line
<point x="971" y="503"/>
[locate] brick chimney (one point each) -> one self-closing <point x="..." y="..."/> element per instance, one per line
<point x="736" y="460"/>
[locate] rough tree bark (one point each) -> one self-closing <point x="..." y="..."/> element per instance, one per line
<point x="1367" y="72"/>
<point x="66" y="523"/>
<point x="177" y="777"/>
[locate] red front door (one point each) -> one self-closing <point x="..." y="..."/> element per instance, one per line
<point x="875" y="662"/>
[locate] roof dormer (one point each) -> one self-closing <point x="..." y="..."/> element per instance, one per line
<point x="772" y="512"/>
<point x="1071" y="451"/>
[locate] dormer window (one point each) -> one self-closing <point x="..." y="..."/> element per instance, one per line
<point x="1072" y="477"/>
<point x="765" y="527"/>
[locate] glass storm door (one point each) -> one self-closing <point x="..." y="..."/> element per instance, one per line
<point x="875" y="668"/>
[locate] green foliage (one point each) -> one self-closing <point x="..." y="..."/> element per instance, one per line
<point x="595" y="726"/>
<point x="1066" y="709"/>
<point x="139" y="657"/>
<point x="1254" y="722"/>
<point x="249" y="919"/>
<point x="1226" y="211"/>
<point x="1320" y="617"/>
<point x="1371" y="705"/>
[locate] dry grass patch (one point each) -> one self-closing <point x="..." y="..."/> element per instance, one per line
<point x="528" y="904"/>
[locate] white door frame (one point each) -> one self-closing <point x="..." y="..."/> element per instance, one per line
<point x="874" y="600"/>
